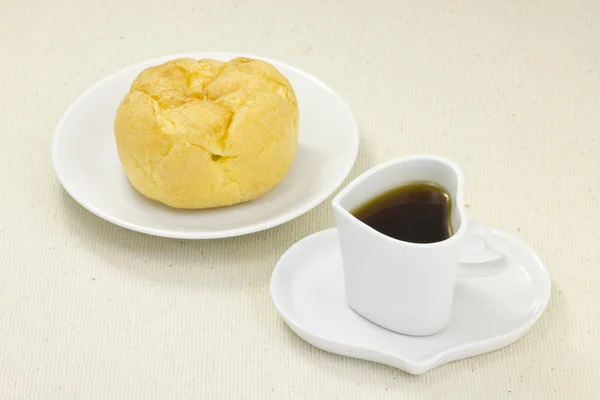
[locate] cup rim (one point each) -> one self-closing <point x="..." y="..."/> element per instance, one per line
<point x="459" y="203"/>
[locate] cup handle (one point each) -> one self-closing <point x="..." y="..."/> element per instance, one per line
<point x="475" y="267"/>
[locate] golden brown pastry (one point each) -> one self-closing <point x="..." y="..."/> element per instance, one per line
<point x="201" y="134"/>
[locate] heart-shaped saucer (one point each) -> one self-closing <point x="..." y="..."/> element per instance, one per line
<point x="488" y="313"/>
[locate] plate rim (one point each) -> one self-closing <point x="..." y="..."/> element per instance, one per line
<point x="396" y="360"/>
<point x="199" y="235"/>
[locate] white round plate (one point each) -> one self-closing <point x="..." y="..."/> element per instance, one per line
<point x="87" y="164"/>
<point x="488" y="313"/>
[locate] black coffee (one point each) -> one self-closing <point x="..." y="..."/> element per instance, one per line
<point x="418" y="212"/>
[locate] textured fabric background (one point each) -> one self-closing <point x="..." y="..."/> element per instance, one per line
<point x="508" y="89"/>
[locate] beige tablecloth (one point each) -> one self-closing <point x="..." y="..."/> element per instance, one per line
<point x="508" y="89"/>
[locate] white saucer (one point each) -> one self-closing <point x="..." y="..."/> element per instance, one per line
<point x="488" y="313"/>
<point x="87" y="165"/>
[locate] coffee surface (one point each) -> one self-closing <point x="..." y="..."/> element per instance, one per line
<point x="418" y="212"/>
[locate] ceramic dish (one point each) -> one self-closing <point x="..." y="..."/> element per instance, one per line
<point x="488" y="313"/>
<point x="87" y="165"/>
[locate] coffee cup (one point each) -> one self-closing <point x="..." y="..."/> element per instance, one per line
<point x="399" y="285"/>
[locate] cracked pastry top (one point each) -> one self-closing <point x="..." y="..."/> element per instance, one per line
<point x="205" y="133"/>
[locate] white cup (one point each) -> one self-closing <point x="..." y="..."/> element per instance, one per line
<point x="407" y="287"/>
